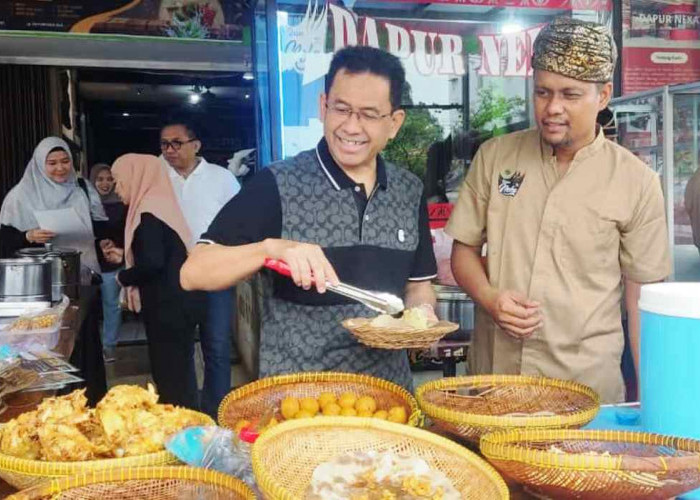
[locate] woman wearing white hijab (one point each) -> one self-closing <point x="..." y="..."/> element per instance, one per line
<point x="50" y="183"/>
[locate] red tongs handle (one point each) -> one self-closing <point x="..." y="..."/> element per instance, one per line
<point x="279" y="266"/>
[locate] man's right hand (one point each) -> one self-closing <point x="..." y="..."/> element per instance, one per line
<point x="39" y="235"/>
<point x="114" y="255"/>
<point x="514" y="313"/>
<point x="307" y="262"/>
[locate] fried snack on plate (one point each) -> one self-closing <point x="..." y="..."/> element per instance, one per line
<point x="173" y="419"/>
<point x="417" y="318"/>
<point x="92" y="429"/>
<point x="377" y="476"/>
<point x="146" y="433"/>
<point x="64" y="443"/>
<point x="19" y="439"/>
<point x="128" y="397"/>
<point x="68" y="409"/>
<point x="127" y="422"/>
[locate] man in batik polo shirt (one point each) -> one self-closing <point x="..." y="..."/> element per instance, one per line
<point x="336" y="211"/>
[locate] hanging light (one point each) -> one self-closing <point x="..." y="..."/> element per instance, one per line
<point x="511" y="25"/>
<point x="247" y="74"/>
<point x="196" y="94"/>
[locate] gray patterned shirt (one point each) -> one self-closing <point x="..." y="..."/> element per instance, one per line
<point x="378" y="242"/>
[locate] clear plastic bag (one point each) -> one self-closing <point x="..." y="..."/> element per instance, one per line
<point x="214" y="448"/>
<point x="37" y="329"/>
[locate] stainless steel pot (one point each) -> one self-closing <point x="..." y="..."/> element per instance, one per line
<point x="454" y="305"/>
<point x="65" y="269"/>
<point x="25" y="280"/>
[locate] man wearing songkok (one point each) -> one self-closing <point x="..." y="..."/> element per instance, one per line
<point x="569" y="220"/>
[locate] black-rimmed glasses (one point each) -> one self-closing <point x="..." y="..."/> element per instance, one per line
<point x="175" y="144"/>
<point x="364" y="115"/>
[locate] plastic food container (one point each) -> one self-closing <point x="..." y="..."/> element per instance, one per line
<point x="27" y="340"/>
<point x="35" y="330"/>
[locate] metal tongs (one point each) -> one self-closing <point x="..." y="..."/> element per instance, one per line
<point x="378" y="301"/>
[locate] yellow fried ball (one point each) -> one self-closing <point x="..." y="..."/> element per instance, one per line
<point x="347" y="400"/>
<point x="348" y="412"/>
<point x="397" y="414"/>
<point x="326" y="398"/>
<point x="381" y="414"/>
<point x="310" y="405"/>
<point x="366" y="404"/>
<point x="331" y="409"/>
<point x="289" y="407"/>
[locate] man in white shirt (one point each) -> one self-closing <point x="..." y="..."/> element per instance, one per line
<point x="203" y="188"/>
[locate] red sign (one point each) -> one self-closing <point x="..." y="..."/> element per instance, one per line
<point x="596" y="5"/>
<point x="661" y="44"/>
<point x="647" y="68"/>
<point x="438" y="214"/>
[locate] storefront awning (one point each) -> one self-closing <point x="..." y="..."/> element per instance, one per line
<point x="123" y="52"/>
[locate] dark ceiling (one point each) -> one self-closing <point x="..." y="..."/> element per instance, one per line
<point x="124" y="110"/>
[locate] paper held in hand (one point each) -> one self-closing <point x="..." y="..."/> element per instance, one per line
<point x="63" y="222"/>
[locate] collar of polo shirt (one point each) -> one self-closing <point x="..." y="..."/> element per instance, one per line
<point x="337" y="176"/>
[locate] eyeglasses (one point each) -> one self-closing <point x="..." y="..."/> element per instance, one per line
<point x="367" y="116"/>
<point x="176" y="144"/>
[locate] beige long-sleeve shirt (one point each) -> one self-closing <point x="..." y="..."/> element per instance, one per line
<point x="566" y="243"/>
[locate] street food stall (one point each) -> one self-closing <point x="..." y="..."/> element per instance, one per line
<point x="323" y="436"/>
<point x="339" y="435"/>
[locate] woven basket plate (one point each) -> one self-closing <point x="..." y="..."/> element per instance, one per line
<point x="253" y="400"/>
<point x="22" y="473"/>
<point x="596" y="464"/>
<point x="468" y="407"/>
<point x="397" y="338"/>
<point x="285" y="457"/>
<point x="172" y="483"/>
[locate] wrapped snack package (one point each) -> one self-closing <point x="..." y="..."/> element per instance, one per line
<point x="214" y="448"/>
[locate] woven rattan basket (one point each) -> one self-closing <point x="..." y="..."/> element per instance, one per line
<point x="253" y="400"/>
<point x="596" y="464"/>
<point x="146" y="482"/>
<point x="468" y="407"/>
<point x="22" y="473"/>
<point x="397" y="338"/>
<point x="285" y="458"/>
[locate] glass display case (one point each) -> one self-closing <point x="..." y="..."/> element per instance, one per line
<point x="661" y="127"/>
